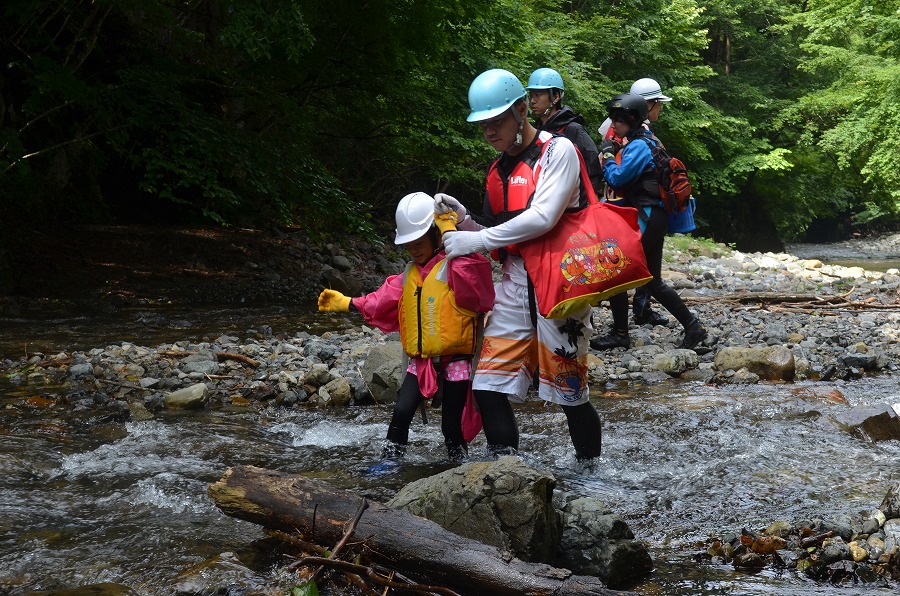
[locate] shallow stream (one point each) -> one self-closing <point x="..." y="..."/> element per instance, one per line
<point x="87" y="499"/>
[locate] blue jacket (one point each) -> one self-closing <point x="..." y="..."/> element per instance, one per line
<point x="635" y="173"/>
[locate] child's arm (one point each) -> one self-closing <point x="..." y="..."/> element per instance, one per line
<point x="470" y="279"/>
<point x="380" y="307"/>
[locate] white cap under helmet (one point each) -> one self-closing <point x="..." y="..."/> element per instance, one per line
<point x="649" y="89"/>
<point x="415" y="216"/>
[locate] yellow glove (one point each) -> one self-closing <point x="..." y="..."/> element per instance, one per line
<point x="333" y="301"/>
<point x="445" y="222"/>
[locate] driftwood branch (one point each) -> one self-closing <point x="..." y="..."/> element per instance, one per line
<point x="220" y="356"/>
<point x="335" y="552"/>
<point x="798" y="302"/>
<point x="370" y="573"/>
<point x="815" y="540"/>
<point x="295" y="541"/>
<point x="395" y="539"/>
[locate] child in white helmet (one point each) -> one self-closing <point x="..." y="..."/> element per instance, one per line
<point x="435" y="304"/>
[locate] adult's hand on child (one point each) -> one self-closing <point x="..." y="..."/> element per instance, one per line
<point x="333" y="301"/>
<point x="458" y="244"/>
<point x="445" y="204"/>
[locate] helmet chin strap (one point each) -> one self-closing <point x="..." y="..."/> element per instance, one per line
<point x="518" y="132"/>
<point x="552" y="103"/>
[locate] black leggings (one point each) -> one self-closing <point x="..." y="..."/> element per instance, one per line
<point x="584" y="428"/>
<point x="652" y="240"/>
<point x="498" y="421"/>
<point x="408" y="399"/>
<point x="502" y="433"/>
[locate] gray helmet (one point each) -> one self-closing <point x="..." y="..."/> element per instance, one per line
<point x="649" y="89"/>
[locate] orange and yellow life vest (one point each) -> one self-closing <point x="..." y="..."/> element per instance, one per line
<point x="431" y="323"/>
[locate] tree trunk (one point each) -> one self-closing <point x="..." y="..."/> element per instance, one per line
<point x="395" y="538"/>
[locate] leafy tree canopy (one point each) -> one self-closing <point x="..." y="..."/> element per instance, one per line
<point x="323" y="113"/>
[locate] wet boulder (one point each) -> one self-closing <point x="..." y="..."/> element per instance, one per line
<point x="383" y="371"/>
<point x="877" y="423"/>
<point x="503" y="503"/>
<point x="890" y="505"/>
<point x="770" y="363"/>
<point x="194" y="397"/>
<point x="598" y="542"/>
<point x="676" y="362"/>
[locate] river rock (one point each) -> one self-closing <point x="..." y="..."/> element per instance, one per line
<point x="503" y="503"/>
<point x="81" y="370"/>
<point x="861" y="356"/>
<point x="336" y="393"/>
<point x="879" y="423"/>
<point x="598" y="542"/>
<point x="346" y="284"/>
<point x="890" y="506"/>
<point x="676" y="362"/>
<point x="341" y="263"/>
<point x="741" y="376"/>
<point x="772" y="363"/>
<point x="383" y="371"/>
<point x="193" y="397"/>
<point x="318" y="375"/>
<point x="833" y="549"/>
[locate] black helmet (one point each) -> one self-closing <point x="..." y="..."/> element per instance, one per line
<point x="632" y="103"/>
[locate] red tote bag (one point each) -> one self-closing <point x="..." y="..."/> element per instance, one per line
<point x="588" y="256"/>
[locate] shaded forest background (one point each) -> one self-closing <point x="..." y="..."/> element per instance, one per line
<point x="322" y="113"/>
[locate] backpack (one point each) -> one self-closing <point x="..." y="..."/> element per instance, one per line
<point x="674" y="187"/>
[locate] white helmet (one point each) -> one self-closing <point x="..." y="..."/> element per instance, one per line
<point x="415" y="215"/>
<point x="649" y="89"/>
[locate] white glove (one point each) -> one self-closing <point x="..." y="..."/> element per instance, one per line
<point x="458" y="244"/>
<point x="445" y="204"/>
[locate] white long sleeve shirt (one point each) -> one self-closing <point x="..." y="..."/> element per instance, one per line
<point x="557" y="189"/>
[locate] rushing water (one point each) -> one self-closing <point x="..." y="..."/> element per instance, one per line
<point x="87" y="499"/>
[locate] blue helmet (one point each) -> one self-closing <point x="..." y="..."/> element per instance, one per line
<point x="545" y="78"/>
<point x="492" y="93"/>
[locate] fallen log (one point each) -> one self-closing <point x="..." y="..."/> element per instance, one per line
<point x="395" y="538"/>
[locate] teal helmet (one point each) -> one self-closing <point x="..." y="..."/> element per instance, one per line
<point x="492" y="93"/>
<point x="545" y="78"/>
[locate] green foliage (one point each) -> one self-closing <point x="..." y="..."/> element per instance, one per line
<point x="853" y="48"/>
<point x="305" y="589"/>
<point x="324" y="112"/>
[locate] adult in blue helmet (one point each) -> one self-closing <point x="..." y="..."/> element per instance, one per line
<point x="536" y="177"/>
<point x="545" y="93"/>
